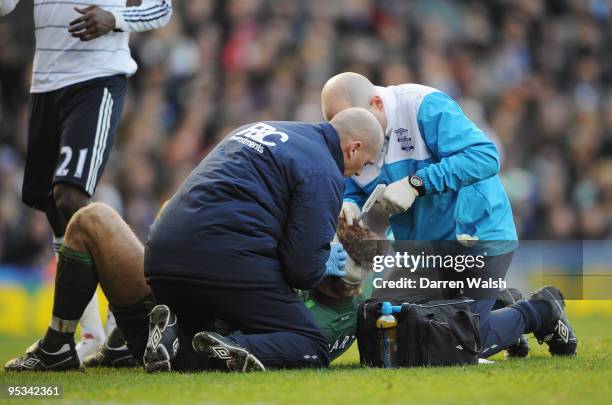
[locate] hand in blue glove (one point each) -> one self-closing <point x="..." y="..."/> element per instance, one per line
<point x="336" y="261"/>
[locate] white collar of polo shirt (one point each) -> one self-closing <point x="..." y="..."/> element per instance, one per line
<point x="389" y="104"/>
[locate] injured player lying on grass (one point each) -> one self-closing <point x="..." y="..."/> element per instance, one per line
<point x="333" y="303"/>
<point x="98" y="238"/>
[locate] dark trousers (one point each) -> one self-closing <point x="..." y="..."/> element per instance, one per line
<point x="274" y="324"/>
<point x="501" y="328"/>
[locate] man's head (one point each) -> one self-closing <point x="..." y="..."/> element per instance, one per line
<point x="350" y="89"/>
<point x="361" y="245"/>
<point x="361" y="138"/>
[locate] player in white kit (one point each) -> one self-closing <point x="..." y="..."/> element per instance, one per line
<point x="80" y="67"/>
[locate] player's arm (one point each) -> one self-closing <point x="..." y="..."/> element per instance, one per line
<point x="311" y="224"/>
<point x="138" y="16"/>
<point x="353" y="193"/>
<point x="6" y="6"/>
<point x="466" y="156"/>
<point x="148" y="15"/>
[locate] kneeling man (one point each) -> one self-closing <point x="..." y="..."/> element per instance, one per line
<point x="253" y="220"/>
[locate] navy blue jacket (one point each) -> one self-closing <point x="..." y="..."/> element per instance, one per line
<point x="259" y="210"/>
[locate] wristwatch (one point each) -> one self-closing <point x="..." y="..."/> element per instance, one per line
<point x="417" y="183"/>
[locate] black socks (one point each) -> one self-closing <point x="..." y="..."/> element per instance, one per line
<point x="54" y="340"/>
<point x="75" y="283"/>
<point x="537" y="314"/>
<point x="133" y="321"/>
<point x="115" y="339"/>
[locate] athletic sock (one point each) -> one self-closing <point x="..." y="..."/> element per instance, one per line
<point x="133" y="321"/>
<point x="75" y="283"/>
<point x="536" y="313"/>
<point x="58" y="242"/>
<point x="115" y="339"/>
<point x="91" y="323"/>
<point x="54" y="340"/>
<point x="111" y="324"/>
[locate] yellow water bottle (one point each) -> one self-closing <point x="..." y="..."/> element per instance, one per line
<point x="387" y="336"/>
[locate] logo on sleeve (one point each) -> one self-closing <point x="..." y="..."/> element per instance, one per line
<point x="260" y="134"/>
<point x="406" y="142"/>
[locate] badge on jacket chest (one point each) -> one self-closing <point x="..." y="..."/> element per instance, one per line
<point x="406" y="142"/>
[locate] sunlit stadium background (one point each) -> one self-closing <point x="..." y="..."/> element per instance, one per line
<point x="536" y="75"/>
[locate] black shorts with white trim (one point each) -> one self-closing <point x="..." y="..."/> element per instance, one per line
<point x="70" y="136"/>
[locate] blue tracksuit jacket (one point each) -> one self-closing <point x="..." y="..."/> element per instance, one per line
<point x="259" y="210"/>
<point x="428" y="134"/>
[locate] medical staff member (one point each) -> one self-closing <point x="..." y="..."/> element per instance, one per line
<point x="441" y="173"/>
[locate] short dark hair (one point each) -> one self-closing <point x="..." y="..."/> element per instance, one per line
<point x="361" y="245"/>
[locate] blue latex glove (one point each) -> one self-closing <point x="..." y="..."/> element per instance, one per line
<point x="336" y="262"/>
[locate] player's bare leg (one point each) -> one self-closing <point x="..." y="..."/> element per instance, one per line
<point x="58" y="224"/>
<point x="66" y="200"/>
<point x="118" y="255"/>
<point x="114" y="352"/>
<point x="99" y="248"/>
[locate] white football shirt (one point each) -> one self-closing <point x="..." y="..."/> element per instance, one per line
<point x="61" y="60"/>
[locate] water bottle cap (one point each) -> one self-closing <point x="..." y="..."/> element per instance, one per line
<point x="386" y="308"/>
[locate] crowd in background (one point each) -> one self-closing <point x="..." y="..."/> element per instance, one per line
<point x="535" y="75"/>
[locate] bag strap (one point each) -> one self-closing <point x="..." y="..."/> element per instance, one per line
<point x="459" y="336"/>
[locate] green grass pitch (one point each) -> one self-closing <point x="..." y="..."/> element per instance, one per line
<point x="539" y="379"/>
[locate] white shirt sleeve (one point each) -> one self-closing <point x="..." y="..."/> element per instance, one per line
<point x="6" y="6"/>
<point x="149" y="15"/>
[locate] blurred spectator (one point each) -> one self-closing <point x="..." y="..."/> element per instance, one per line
<point x="534" y="74"/>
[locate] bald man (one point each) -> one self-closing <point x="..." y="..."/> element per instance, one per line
<point x="442" y="185"/>
<point x="254" y="220"/>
